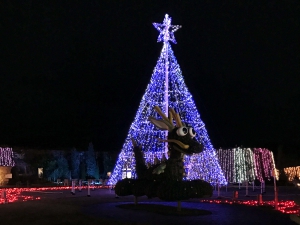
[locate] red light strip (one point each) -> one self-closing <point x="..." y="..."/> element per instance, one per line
<point x="288" y="207"/>
<point x="15" y="194"/>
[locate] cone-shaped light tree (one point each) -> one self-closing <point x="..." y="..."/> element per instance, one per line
<point x="167" y="89"/>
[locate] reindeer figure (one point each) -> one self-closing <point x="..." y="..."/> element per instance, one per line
<point x="181" y="141"/>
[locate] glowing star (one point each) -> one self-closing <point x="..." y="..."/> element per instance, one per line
<point x="166" y="30"/>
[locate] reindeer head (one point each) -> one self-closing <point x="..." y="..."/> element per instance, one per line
<point x="180" y="137"/>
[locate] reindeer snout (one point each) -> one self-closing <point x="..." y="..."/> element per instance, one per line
<point x="196" y="147"/>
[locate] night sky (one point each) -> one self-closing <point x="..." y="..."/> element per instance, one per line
<point x="74" y="72"/>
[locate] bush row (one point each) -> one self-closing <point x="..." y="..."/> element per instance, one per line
<point x="166" y="190"/>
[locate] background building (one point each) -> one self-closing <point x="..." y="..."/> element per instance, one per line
<point x="6" y="163"/>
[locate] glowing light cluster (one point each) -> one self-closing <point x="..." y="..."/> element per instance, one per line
<point x="287" y="207"/>
<point x="292" y="172"/>
<point x="15" y="194"/>
<point x="167" y="89"/>
<point x="245" y="164"/>
<point x="6" y="157"/>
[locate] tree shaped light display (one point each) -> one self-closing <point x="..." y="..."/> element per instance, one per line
<point x="292" y="172"/>
<point x="167" y="89"/>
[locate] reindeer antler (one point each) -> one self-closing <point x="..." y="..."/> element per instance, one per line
<point x="158" y="110"/>
<point x="165" y="123"/>
<point x="176" y="117"/>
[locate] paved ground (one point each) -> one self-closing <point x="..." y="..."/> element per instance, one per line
<point x="225" y="214"/>
<point x="221" y="214"/>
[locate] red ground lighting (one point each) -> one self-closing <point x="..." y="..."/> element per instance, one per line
<point x="288" y="207"/>
<point x="15" y="195"/>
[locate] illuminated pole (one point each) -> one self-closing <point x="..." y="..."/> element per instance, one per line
<point x="3" y="195"/>
<point x="166" y="86"/>
<point x="275" y="190"/>
<point x="166" y="34"/>
<point x="80" y="185"/>
<point x="73" y="187"/>
<point x="89" y="191"/>
<point x="247" y="180"/>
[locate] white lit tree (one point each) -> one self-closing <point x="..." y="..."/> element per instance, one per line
<point x="75" y="163"/>
<point x="91" y="164"/>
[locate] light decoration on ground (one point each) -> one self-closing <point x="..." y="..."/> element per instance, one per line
<point x="15" y="195"/>
<point x="287" y="207"/>
<point x="24" y="194"/>
<point x="6" y="156"/>
<point x="167" y="89"/>
<point x="246" y="164"/>
<point x="292" y="172"/>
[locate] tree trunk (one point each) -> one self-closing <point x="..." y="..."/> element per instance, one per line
<point x="178" y="206"/>
<point x="135" y="200"/>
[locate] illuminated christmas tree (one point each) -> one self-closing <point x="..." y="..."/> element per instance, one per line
<point x="167" y="89"/>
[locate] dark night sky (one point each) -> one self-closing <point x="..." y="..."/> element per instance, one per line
<point x="72" y="72"/>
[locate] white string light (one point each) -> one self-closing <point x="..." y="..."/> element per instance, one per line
<point x="6" y="157"/>
<point x="245" y="164"/>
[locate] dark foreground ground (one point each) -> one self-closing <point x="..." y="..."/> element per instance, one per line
<point x="63" y="208"/>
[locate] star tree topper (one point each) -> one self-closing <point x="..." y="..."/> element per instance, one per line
<point x="166" y="30"/>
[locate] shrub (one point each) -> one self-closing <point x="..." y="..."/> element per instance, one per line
<point x="124" y="187"/>
<point x="183" y="190"/>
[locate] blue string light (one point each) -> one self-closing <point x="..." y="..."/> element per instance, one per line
<point x="204" y="165"/>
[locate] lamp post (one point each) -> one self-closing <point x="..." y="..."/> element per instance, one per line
<point x="247" y="180"/>
<point x="275" y="190"/>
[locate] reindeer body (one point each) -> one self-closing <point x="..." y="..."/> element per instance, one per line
<point x="165" y="180"/>
<point x="180" y="140"/>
